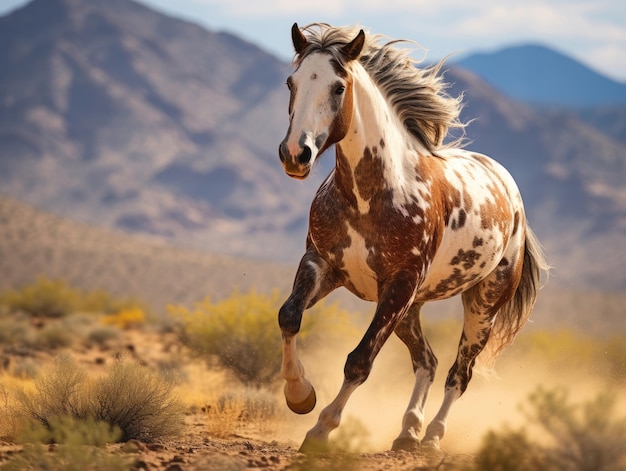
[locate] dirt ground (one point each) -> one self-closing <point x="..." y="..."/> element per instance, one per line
<point x="196" y="450"/>
<point x="202" y="446"/>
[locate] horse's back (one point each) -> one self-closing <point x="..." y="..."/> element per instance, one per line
<point x="485" y="224"/>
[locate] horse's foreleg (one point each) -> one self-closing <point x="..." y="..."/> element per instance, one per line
<point x="424" y="365"/>
<point x="311" y="284"/>
<point x="392" y="306"/>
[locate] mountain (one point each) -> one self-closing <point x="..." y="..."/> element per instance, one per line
<point x="540" y="75"/>
<point x="121" y="116"/>
<point x="115" y="115"/>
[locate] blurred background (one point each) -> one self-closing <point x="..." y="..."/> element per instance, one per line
<point x="162" y="119"/>
<point x="138" y="157"/>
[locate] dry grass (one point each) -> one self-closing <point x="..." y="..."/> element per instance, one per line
<point x="223" y="416"/>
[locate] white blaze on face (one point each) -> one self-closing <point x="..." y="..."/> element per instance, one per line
<point x="313" y="108"/>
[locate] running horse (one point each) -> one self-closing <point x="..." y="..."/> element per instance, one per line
<point x="404" y="218"/>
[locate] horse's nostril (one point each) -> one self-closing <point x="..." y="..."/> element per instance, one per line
<point x="282" y="152"/>
<point x="305" y="156"/>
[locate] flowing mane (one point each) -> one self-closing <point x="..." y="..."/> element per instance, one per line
<point x="418" y="96"/>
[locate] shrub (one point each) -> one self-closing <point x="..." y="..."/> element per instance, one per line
<point x="129" y="397"/>
<point x="587" y="436"/>
<point x="53" y="337"/>
<point x="55" y="298"/>
<point x="15" y="330"/>
<point x="581" y="437"/>
<point x="45" y="297"/>
<point x="126" y="318"/>
<point x="9" y="416"/>
<point x="138" y="401"/>
<point x="242" y="332"/>
<point x="224" y="415"/>
<point x="78" y="446"/>
<point x="102" y="336"/>
<point x="59" y="391"/>
<point x="254" y="409"/>
<point x="508" y="450"/>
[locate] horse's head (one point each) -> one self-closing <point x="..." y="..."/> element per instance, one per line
<point x="320" y="105"/>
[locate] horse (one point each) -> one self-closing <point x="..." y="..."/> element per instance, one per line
<point x="406" y="216"/>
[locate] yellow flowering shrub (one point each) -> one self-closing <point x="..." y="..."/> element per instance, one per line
<point x="242" y="331"/>
<point x="126" y="318"/>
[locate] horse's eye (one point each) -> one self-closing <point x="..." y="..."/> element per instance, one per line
<point x="289" y="83"/>
<point x="339" y="90"/>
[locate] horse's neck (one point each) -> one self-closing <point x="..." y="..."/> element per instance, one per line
<point x="375" y="133"/>
<point x="371" y="118"/>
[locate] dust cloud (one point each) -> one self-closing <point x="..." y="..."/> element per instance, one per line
<point x="489" y="403"/>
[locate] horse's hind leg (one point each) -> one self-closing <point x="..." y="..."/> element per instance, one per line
<point x="311" y="284"/>
<point x="424" y="365"/>
<point x="481" y="304"/>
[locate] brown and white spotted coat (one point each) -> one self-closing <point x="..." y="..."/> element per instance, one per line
<point x="397" y="224"/>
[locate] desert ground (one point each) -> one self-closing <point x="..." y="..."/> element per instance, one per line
<point x="572" y="350"/>
<point x="229" y="439"/>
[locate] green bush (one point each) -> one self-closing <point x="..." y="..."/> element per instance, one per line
<point x="55" y="298"/>
<point x="45" y="298"/>
<point x="103" y="336"/>
<point x="508" y="450"/>
<point x="16" y="330"/>
<point x="576" y="437"/>
<point x="78" y="445"/>
<point x="242" y="332"/>
<point x="54" y="337"/>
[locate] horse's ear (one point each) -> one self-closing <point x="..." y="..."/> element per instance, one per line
<point x="352" y="50"/>
<point x="299" y="40"/>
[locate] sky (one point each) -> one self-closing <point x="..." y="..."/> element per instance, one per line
<point x="591" y="31"/>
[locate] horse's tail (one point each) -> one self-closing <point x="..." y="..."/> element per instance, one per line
<point x="514" y="313"/>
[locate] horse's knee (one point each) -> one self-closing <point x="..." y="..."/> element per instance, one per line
<point x="289" y="318"/>
<point x="459" y="377"/>
<point x="358" y="368"/>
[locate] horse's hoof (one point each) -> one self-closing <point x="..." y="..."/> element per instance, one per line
<point x="305" y="406"/>
<point x="431" y="444"/>
<point x="405" y="444"/>
<point x="312" y="446"/>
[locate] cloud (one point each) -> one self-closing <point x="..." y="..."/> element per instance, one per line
<point x="541" y="19"/>
<point x="593" y="31"/>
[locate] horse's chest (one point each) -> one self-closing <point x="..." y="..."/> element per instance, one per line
<point x="350" y="253"/>
<point x="355" y="264"/>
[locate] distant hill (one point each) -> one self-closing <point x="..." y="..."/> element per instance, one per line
<point x="118" y="116"/>
<point x="540" y="75"/>
<point x="34" y="243"/>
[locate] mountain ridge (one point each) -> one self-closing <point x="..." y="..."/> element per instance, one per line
<point x="538" y="74"/>
<point x="167" y="129"/>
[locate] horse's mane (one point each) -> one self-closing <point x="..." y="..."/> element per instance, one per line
<point x="418" y="96"/>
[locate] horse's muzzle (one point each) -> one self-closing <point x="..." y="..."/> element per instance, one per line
<point x="298" y="166"/>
